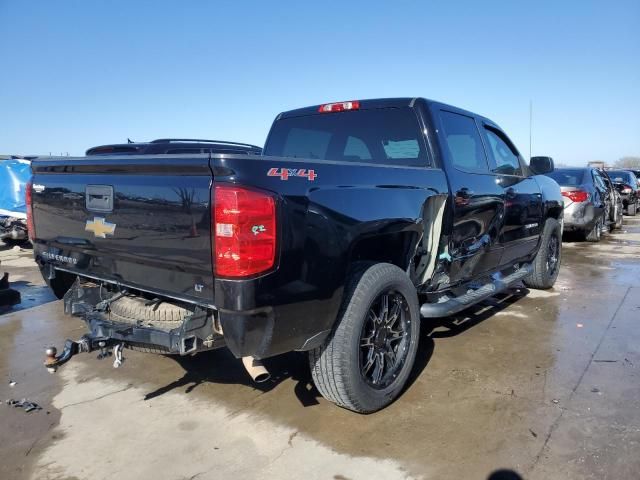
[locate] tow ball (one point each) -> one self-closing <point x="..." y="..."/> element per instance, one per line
<point x="84" y="345"/>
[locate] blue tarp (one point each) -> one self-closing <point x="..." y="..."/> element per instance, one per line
<point x="14" y="175"/>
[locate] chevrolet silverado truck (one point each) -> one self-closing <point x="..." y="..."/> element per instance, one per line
<point x="359" y="220"/>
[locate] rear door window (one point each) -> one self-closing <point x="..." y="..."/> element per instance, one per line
<point x="388" y="136"/>
<point x="504" y="156"/>
<point x="463" y="142"/>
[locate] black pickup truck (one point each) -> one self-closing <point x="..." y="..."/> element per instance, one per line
<point x="359" y="219"/>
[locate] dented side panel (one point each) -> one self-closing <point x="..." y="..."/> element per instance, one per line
<point x="326" y="224"/>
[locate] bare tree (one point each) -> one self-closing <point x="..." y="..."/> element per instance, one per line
<point x="628" y="162"/>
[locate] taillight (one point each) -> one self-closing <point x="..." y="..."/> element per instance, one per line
<point x="29" y="201"/>
<point x="576" y="195"/>
<point x="339" y="106"/>
<point x="627" y="189"/>
<point x="244" y="229"/>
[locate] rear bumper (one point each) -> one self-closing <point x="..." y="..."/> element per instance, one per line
<point x="581" y="216"/>
<point x="268" y="332"/>
<point x="259" y="332"/>
<point x="196" y="333"/>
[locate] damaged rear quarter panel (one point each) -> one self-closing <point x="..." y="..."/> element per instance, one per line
<point x="322" y="225"/>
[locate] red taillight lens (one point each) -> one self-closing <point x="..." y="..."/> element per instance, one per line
<point x="29" y="201"/>
<point x="244" y="231"/>
<point x="339" y="106"/>
<point x="576" y="195"/>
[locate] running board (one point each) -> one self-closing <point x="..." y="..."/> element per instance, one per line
<point x="456" y="304"/>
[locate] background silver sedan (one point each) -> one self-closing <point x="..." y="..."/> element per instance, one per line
<point x="588" y="201"/>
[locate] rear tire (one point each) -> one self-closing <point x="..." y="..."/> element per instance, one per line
<point x="365" y="363"/>
<point x="595" y="233"/>
<point x="618" y="221"/>
<point x="546" y="265"/>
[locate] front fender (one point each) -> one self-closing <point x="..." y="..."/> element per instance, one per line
<point x="552" y="201"/>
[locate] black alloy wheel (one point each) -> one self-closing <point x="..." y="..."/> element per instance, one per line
<point x="384" y="340"/>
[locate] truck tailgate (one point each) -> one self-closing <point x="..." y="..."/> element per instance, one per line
<point x="143" y="221"/>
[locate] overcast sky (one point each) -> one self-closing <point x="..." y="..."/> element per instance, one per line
<point x="75" y="74"/>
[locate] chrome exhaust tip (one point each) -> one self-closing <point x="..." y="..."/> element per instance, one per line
<point x="256" y="369"/>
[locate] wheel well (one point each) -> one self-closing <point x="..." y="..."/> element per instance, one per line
<point x="555" y="212"/>
<point x="395" y="248"/>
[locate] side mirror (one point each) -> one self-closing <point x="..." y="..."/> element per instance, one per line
<point x="541" y="165"/>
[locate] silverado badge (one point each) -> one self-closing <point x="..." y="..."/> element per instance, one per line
<point x="100" y="228"/>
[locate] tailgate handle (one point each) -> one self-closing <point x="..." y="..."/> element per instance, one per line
<point x="99" y="198"/>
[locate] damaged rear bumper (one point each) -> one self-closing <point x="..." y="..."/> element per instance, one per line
<point x="195" y="333"/>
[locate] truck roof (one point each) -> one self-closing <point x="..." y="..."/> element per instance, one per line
<point x="372" y="103"/>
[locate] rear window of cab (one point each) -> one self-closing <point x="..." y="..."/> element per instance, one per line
<point x="387" y="136"/>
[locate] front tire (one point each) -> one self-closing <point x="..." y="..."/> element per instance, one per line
<point x="546" y="265"/>
<point x="365" y="363"/>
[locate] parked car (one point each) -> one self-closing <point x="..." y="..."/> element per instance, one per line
<point x="14" y="175"/>
<point x="175" y="146"/>
<point x="361" y="218"/>
<point x="587" y="201"/>
<point x="616" y="218"/>
<point x="627" y="184"/>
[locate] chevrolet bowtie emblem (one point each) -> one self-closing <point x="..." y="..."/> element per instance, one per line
<point x="100" y="228"/>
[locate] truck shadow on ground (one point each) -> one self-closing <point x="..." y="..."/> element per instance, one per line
<point x="31" y="296"/>
<point x="294" y="365"/>
<point x="504" y="475"/>
<point x="10" y="244"/>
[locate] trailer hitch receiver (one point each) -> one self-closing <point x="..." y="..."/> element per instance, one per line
<point x="53" y="360"/>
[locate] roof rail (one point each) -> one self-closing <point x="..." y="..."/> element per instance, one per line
<point x="197" y="140"/>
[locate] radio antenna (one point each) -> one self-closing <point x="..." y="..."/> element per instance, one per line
<point x="530" y="125"/>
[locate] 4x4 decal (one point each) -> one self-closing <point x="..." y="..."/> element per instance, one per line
<point x="285" y="173"/>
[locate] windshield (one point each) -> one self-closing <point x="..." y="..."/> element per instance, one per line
<point x="387" y="136"/>
<point x="568" y="177"/>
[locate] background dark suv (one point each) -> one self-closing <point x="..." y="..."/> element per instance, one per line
<point x="175" y="146"/>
